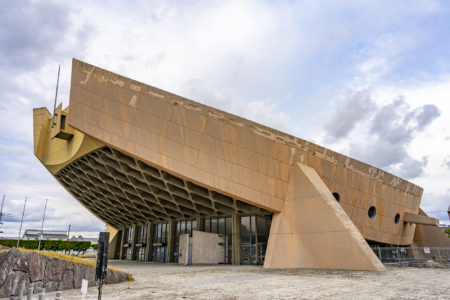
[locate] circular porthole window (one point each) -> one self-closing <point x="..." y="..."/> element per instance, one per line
<point x="372" y="212"/>
<point x="337" y="197"/>
<point x="397" y="218"/>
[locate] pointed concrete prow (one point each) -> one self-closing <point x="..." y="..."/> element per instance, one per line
<point x="313" y="230"/>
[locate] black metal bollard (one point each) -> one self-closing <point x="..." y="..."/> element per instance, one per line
<point x="102" y="261"/>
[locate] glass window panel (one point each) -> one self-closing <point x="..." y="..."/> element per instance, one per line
<point x="245" y="226"/>
<point x="183" y="227"/>
<point x="228" y="226"/>
<point x="253" y="224"/>
<point x="214" y="225"/>
<point x="144" y="233"/>
<point x="166" y="232"/>
<point x="229" y="232"/>
<point x="189" y="227"/>
<point x="261" y="226"/>
<point x="221" y="229"/>
<point x="177" y="232"/>
<point x="207" y="225"/>
<point x="194" y="224"/>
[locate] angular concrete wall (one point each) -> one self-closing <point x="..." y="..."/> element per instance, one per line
<point x="430" y="235"/>
<point x="205" y="247"/>
<point x="313" y="231"/>
<point x="229" y="154"/>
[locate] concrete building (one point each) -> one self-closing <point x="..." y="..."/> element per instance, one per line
<point x="92" y="239"/>
<point x="55" y="235"/>
<point x="154" y="166"/>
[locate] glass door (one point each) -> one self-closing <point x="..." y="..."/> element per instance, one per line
<point x="159" y="243"/>
<point x="253" y="239"/>
<point x="141" y="240"/>
<point x="128" y="241"/>
<point x="183" y="227"/>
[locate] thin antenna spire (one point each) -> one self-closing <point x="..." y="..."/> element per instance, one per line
<point x="20" y="230"/>
<point x="42" y="226"/>
<point x="1" y="212"/>
<point x="1" y="209"/>
<point x="56" y="97"/>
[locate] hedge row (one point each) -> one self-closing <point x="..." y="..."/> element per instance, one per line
<point x="49" y="245"/>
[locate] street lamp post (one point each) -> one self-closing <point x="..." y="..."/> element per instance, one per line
<point x="21" y="222"/>
<point x="41" y="233"/>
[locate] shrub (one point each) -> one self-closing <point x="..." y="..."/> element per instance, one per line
<point x="78" y="246"/>
<point x="447" y="231"/>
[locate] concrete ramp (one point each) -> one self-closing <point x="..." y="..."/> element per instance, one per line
<point x="313" y="231"/>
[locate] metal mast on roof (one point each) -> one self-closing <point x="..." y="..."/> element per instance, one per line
<point x="21" y="222"/>
<point x="1" y="212"/>
<point x="56" y="96"/>
<point x="42" y="226"/>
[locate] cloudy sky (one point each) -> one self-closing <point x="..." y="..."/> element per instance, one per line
<point x="370" y="79"/>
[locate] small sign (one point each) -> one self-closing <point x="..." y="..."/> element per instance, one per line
<point x="426" y="249"/>
<point x="84" y="286"/>
<point x="157" y="244"/>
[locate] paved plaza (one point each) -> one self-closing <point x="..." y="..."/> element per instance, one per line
<point x="171" y="281"/>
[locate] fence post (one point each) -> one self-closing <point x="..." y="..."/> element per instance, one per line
<point x="439" y="255"/>
<point x="417" y="257"/>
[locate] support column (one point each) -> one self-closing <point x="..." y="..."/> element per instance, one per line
<point x="114" y="241"/>
<point x="200" y="224"/>
<point x="170" y="241"/>
<point x="122" y="242"/>
<point x="149" y="242"/>
<point x="236" y="239"/>
<point x="313" y="231"/>
<point x="133" y="242"/>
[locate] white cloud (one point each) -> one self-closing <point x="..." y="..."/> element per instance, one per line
<point x="407" y="136"/>
<point x="279" y="63"/>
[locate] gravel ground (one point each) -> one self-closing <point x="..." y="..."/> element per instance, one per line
<point x="171" y="281"/>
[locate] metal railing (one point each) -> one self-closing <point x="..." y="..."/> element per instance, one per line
<point x="414" y="257"/>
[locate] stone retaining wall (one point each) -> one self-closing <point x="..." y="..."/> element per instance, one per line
<point x="52" y="273"/>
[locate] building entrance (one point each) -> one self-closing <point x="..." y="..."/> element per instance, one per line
<point x="253" y="241"/>
<point x="159" y="242"/>
<point x="182" y="227"/>
<point x="128" y="242"/>
<point x="141" y="241"/>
